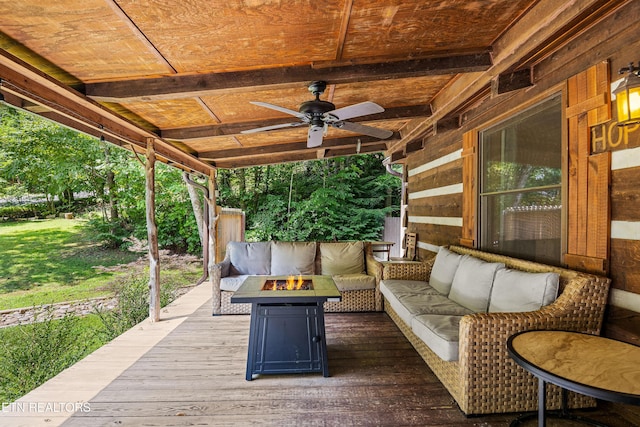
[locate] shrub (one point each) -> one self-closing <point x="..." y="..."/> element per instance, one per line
<point x="111" y="234"/>
<point x="31" y="354"/>
<point x="133" y="306"/>
<point x="16" y="212"/>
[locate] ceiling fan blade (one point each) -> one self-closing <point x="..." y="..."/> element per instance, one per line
<point x="278" y="108"/>
<point x="314" y="137"/>
<point x="365" y="130"/>
<point x="273" y="127"/>
<point x="356" y="110"/>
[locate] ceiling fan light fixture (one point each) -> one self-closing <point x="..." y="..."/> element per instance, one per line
<point x="319" y="115"/>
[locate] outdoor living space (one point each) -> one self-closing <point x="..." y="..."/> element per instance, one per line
<point x="188" y="369"/>
<point x="509" y="130"/>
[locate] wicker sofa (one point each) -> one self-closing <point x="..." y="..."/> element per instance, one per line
<point x="481" y="376"/>
<point x="351" y="264"/>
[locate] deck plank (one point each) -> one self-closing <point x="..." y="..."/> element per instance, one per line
<point x="193" y="373"/>
<point x="195" y="376"/>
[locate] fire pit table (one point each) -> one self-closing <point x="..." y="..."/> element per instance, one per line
<point x="286" y="334"/>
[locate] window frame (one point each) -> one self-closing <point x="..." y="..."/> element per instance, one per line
<point x="556" y="91"/>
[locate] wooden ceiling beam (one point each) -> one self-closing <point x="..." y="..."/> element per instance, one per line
<point x="516" y="80"/>
<point x="245" y="162"/>
<point x="365" y="149"/>
<point x="276" y="149"/>
<point x="36" y="88"/>
<point x="226" y="129"/>
<point x="193" y="85"/>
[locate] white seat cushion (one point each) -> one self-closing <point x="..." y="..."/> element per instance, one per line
<point x="440" y="333"/>
<point x="395" y="303"/>
<point x="354" y="282"/>
<point x="403" y="287"/>
<point x="432" y="304"/>
<point x="232" y="283"/>
<point x="409" y="305"/>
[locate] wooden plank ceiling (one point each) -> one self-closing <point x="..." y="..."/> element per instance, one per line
<point x="184" y="72"/>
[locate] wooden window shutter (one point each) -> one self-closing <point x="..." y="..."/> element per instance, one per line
<point x="589" y="175"/>
<point x="469" y="188"/>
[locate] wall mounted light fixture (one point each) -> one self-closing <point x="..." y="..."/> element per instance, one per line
<point x="628" y="96"/>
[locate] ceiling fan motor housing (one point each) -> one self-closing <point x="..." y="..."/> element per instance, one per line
<point x="315" y="110"/>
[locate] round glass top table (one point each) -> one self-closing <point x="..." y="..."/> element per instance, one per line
<point x="588" y="364"/>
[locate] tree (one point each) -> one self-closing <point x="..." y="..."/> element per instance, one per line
<point x="39" y="156"/>
<point x="341" y="198"/>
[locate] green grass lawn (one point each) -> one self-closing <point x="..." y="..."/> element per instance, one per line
<point x="47" y="261"/>
<point x="57" y="260"/>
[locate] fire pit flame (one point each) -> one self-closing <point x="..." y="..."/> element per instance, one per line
<point x="291" y="283"/>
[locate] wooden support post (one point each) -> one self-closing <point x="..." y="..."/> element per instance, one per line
<point x="213" y="238"/>
<point x="152" y="233"/>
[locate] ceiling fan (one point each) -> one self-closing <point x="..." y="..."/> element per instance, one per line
<point x="319" y="115"/>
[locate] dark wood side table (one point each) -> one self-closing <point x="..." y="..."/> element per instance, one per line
<point x="382" y="247"/>
<point x="588" y="364"/>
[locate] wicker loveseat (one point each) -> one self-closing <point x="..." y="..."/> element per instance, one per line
<point x="482" y="378"/>
<point x="351" y="264"/>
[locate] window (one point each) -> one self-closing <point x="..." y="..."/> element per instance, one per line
<point x="520" y="187"/>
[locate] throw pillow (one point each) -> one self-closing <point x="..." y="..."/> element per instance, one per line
<point x="443" y="271"/>
<point x="471" y="287"/>
<point x="342" y="258"/>
<point x="516" y="291"/>
<point x="249" y="258"/>
<point x="292" y="258"/>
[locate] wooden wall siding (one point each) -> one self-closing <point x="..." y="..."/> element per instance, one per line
<point x="435" y="195"/>
<point x="588" y="175"/>
<point x="443" y="160"/>
<point x="625" y="216"/>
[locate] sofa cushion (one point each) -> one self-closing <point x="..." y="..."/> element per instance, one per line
<point x="471" y="287"/>
<point x="342" y="258"/>
<point x="354" y="282"/>
<point x="409" y="305"/>
<point x="515" y="291"/>
<point x="249" y="257"/>
<point x="432" y="304"/>
<point x="403" y="287"/>
<point x="292" y="258"/>
<point x="440" y="333"/>
<point x="444" y="269"/>
<point x="397" y="306"/>
<point x="232" y="283"/>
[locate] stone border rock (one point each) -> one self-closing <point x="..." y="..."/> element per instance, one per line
<point x="26" y="315"/>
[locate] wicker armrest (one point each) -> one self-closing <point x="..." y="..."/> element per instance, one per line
<point x="374" y="267"/>
<point x="407" y="270"/>
<point x="483" y="358"/>
<point x="483" y="336"/>
<point x="216" y="273"/>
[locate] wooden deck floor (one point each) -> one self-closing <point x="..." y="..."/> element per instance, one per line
<point x="195" y="376"/>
